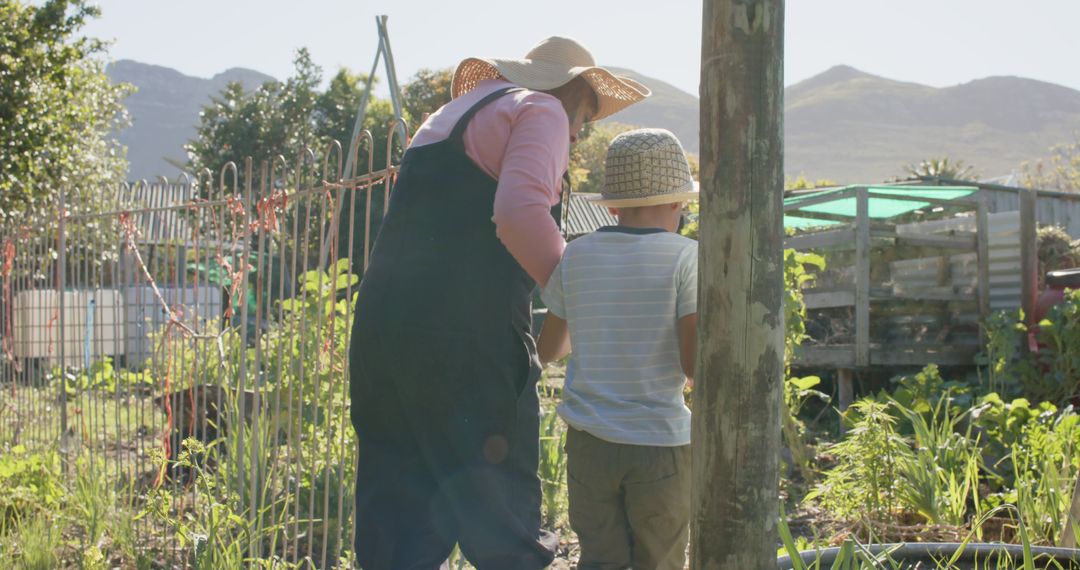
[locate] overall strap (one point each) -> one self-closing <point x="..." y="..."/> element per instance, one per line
<point x="458" y="132"/>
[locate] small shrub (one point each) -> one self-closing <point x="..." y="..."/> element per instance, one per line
<point x="868" y="465"/>
<point x="91" y="500"/>
<point x="1003" y="427"/>
<point x="1053" y="374"/>
<point x="29" y="483"/>
<point x="1045" y="464"/>
<point x="1004" y="333"/>
<point x="102" y="376"/>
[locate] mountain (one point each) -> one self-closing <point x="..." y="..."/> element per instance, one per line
<point x="165" y="110"/>
<point x="850" y="126"/>
<point x="668" y="107"/>
<point x="843" y="124"/>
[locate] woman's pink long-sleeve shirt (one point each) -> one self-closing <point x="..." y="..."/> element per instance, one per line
<point x="523" y="141"/>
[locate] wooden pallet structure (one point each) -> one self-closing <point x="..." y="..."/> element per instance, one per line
<point x="908" y="293"/>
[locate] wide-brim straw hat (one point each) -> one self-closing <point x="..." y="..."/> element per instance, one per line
<point x="553" y="63"/>
<point x="646" y="167"/>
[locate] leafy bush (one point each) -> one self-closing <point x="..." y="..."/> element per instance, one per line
<point x="797" y="390"/>
<point x="796" y="277"/>
<point x="1045" y="461"/>
<point x="924" y="391"/>
<point x="960" y="465"/>
<point x="1003" y="427"/>
<point x="104" y="377"/>
<point x="1053" y="374"/>
<point x="29" y="482"/>
<point x="1004" y="331"/>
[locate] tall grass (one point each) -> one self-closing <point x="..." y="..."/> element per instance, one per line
<point x="553" y="468"/>
<point x="941" y="476"/>
<point x="37" y="541"/>
<point x="127" y="540"/>
<point x="91" y="499"/>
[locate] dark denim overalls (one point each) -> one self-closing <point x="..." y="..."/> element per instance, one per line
<point x="443" y="375"/>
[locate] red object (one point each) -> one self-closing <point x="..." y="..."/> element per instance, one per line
<point x="1053" y="292"/>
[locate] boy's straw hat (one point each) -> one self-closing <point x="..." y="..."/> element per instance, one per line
<point x="552" y="63"/>
<point x="646" y="167"/>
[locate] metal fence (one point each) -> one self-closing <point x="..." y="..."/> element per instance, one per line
<point x="191" y="343"/>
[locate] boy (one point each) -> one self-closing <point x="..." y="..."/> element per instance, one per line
<point x="623" y="303"/>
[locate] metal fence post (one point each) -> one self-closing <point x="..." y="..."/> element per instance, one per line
<point x="61" y="284"/>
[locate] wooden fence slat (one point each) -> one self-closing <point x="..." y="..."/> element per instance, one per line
<point x="983" y="251"/>
<point x="825" y="239"/>
<point x="1028" y="253"/>
<point x="862" y="278"/>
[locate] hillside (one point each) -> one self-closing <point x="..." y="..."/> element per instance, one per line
<point x="843" y="124"/>
<point x="165" y="110"/>
<point x="668" y="107"/>
<point x="852" y="126"/>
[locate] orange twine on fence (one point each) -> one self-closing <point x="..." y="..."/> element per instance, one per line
<point x="55" y="316"/>
<point x="266" y="210"/>
<point x="266" y="219"/>
<point x="127" y="225"/>
<point x="131" y="232"/>
<point x="174" y="321"/>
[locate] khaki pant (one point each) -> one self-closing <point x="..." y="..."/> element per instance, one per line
<point x="629" y="504"/>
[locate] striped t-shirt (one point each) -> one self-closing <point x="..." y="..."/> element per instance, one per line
<point x="621" y="290"/>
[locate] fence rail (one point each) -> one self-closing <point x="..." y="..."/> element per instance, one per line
<point x="190" y="341"/>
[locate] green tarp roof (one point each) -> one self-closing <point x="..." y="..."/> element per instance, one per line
<point x="880" y="208"/>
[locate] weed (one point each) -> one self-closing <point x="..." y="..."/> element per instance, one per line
<point x="868" y="466"/>
<point x="38" y="540"/>
<point x="552" y="468"/>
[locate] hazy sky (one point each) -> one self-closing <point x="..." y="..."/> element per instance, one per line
<point x="935" y="42"/>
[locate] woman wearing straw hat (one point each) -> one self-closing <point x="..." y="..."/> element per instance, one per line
<point x="443" y="365"/>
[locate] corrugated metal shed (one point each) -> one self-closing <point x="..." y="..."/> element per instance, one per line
<point x="1051" y="207"/>
<point x="584" y="217"/>
<point x="148" y="203"/>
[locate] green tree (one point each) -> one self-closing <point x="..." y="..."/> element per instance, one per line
<point x="942" y="167"/>
<point x="284" y="118"/>
<point x="587" y="156"/>
<point x="274" y="119"/>
<point x="57" y="109"/>
<point x="1061" y="172"/>
<point x="427" y="91"/>
<point x="335" y="112"/>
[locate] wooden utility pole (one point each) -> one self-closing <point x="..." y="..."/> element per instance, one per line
<point x="737" y="400"/>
